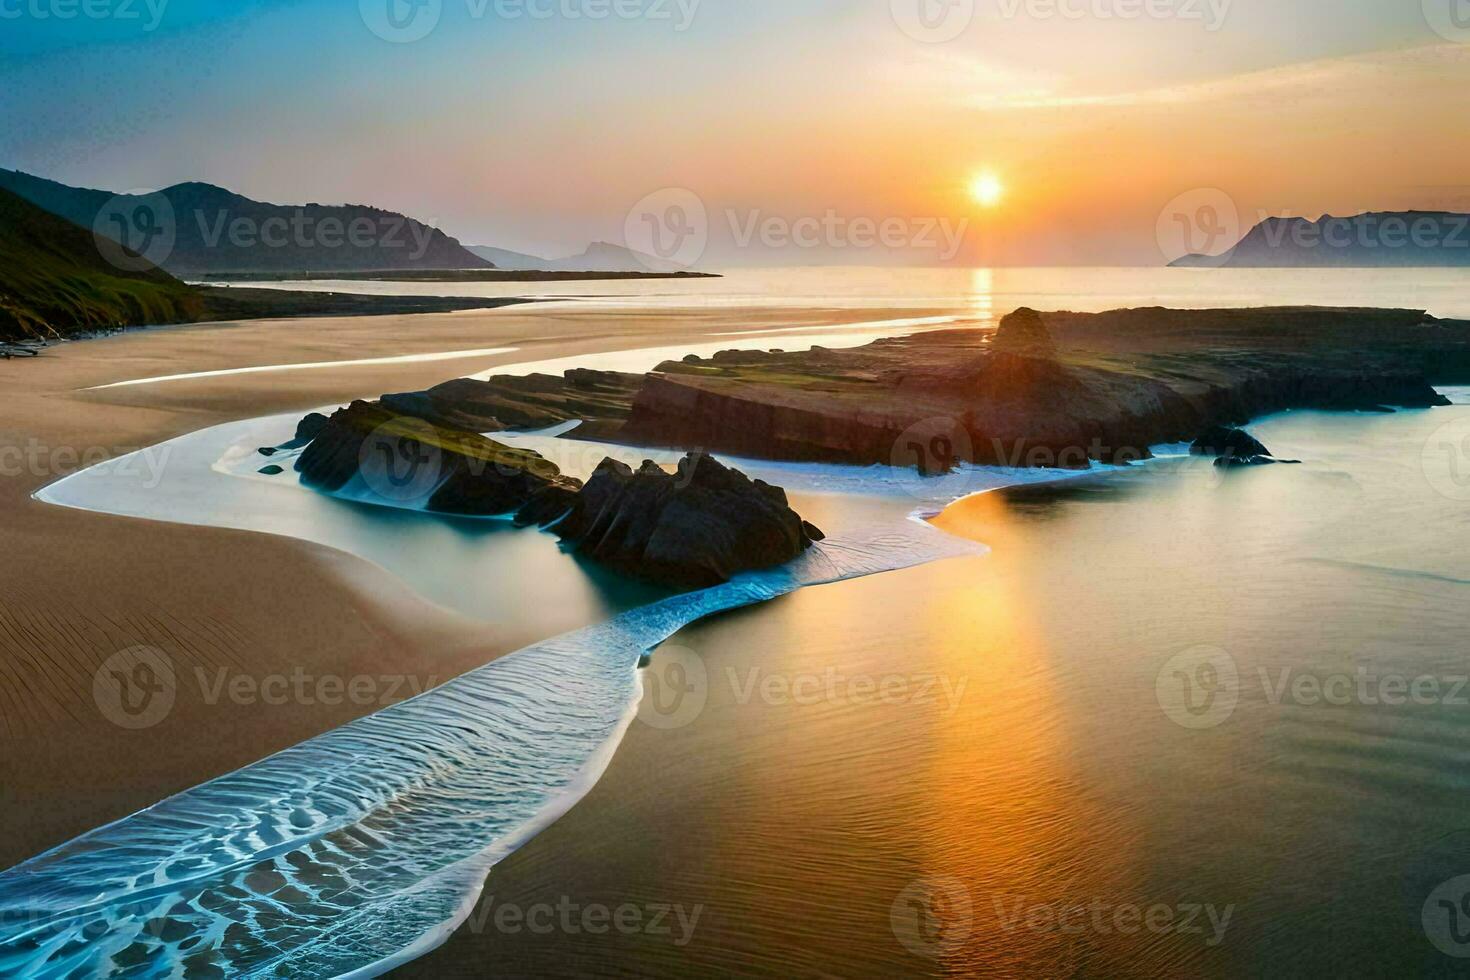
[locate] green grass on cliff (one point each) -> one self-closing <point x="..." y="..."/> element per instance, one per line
<point x="54" y="282"/>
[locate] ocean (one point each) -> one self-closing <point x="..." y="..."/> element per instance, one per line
<point x="1143" y="721"/>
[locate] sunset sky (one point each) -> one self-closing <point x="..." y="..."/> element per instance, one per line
<point x="540" y="133"/>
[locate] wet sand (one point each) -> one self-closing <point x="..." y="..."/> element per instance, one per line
<point x="77" y="588"/>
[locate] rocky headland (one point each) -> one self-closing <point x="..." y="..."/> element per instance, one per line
<point x="1054" y="390"/>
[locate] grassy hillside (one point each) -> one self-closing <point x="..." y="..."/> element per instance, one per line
<point x="53" y="281"/>
<point x="274" y="238"/>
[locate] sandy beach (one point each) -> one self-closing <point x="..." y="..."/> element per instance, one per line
<point x="77" y="588"/>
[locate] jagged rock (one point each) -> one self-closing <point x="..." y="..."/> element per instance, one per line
<point x="694" y="529"/>
<point x="1024" y="332"/>
<point x="450" y="471"/>
<point x="691" y="530"/>
<point x="1222" y="440"/>
<point x="533" y="401"/>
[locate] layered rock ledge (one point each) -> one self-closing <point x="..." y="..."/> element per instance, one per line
<point x="692" y="529"/>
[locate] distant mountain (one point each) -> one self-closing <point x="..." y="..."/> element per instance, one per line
<point x="55" y="281"/>
<point x="599" y="257"/>
<point x="1397" y="239"/>
<point x="509" y="261"/>
<point x="194" y="229"/>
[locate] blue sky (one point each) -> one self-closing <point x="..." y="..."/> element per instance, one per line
<point x="537" y="133"/>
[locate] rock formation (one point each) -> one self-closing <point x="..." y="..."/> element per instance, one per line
<point x="693" y="529"/>
<point x="1222" y="440"/>
<point x="448" y="471"/>
<point x="698" y="527"/>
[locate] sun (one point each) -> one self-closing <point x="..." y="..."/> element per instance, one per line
<point x="986" y="189"/>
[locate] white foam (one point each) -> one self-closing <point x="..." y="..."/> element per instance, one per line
<point x="449" y="355"/>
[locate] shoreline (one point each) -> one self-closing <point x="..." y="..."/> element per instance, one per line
<point x="1082" y="474"/>
<point x="81" y="586"/>
<point x="446" y="275"/>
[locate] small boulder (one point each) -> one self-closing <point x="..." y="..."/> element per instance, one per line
<point x="1024" y="332"/>
<point x="1221" y="440"/>
<point x="694" y="529"/>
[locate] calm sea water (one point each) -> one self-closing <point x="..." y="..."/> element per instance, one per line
<point x="1177" y="722"/>
<point x="986" y="294"/>
<point x="1171" y="692"/>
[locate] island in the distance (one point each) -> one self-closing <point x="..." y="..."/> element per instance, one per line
<point x="1375" y="239"/>
<point x="1060" y="390"/>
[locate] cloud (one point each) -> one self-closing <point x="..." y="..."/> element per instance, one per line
<point x="981" y="85"/>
